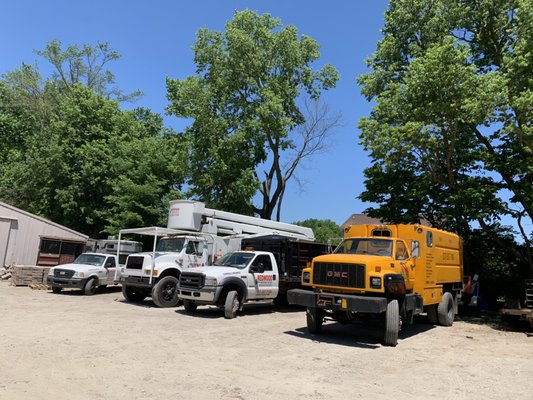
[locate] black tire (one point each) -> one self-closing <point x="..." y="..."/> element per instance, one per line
<point x="165" y="292"/>
<point x="56" y="289"/>
<point x="315" y="319"/>
<point x="446" y="310"/>
<point x="133" y="294"/>
<point x="432" y="314"/>
<point x="231" y="305"/>
<point x="189" y="306"/>
<point x="90" y="286"/>
<point x="392" y="323"/>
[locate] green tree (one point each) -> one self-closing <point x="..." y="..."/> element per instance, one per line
<point x="85" y="64"/>
<point x="326" y="230"/>
<point x="244" y="102"/>
<point x="71" y="154"/>
<point x="450" y="133"/>
<point x="150" y="172"/>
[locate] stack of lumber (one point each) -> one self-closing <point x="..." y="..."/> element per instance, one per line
<point x="24" y="275"/>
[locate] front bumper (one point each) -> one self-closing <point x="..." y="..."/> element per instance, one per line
<point x="337" y="302"/>
<point x="206" y="295"/>
<point x="137" y="281"/>
<point x="66" y="282"/>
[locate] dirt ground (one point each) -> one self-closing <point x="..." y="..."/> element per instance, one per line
<point x="71" y="346"/>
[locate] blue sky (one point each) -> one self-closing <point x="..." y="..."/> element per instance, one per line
<point x="155" y="40"/>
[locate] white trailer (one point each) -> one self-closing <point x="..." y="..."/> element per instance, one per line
<point x="195" y="237"/>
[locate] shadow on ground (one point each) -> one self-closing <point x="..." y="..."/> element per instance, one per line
<point x="212" y="312"/>
<point x="80" y="292"/>
<point x="358" y="334"/>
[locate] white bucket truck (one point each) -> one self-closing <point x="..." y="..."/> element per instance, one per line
<point x="195" y="237"/>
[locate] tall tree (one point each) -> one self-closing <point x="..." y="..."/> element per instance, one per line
<point x="71" y="154"/>
<point x="244" y="102"/>
<point x="450" y="134"/>
<point x="85" y="64"/>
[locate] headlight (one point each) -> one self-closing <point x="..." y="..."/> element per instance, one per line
<point x="78" y="275"/>
<point x="306" y="277"/>
<point x="375" y="283"/>
<point x="51" y="272"/>
<point x="210" y="281"/>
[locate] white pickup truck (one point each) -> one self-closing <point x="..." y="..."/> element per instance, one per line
<point x="235" y="279"/>
<point x="88" y="272"/>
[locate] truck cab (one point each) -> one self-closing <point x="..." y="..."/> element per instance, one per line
<point x="235" y="279"/>
<point x="88" y="271"/>
<point x="364" y="265"/>
<point x="156" y="273"/>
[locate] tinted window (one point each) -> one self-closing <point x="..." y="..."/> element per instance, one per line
<point x="264" y="260"/>
<point x="429" y="239"/>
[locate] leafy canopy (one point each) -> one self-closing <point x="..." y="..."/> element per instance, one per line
<point x="450" y="133"/>
<point x="243" y="103"/>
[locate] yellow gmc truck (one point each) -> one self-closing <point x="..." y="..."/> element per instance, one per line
<point x="384" y="273"/>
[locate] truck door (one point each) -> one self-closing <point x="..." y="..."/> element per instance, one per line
<point x="194" y="253"/>
<point x="110" y="267"/>
<point x="406" y="264"/>
<point x="266" y="279"/>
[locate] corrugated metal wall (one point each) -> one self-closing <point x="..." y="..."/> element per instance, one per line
<point x="21" y="233"/>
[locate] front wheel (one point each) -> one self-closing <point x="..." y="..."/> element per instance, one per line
<point x="392" y="323"/>
<point x="133" y="294"/>
<point x="190" y="306"/>
<point x="231" y="306"/>
<point x="446" y="310"/>
<point x="165" y="292"/>
<point x="56" y="289"/>
<point x="90" y="287"/>
<point x="315" y="319"/>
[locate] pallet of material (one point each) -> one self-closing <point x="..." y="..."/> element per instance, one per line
<point x="24" y="275"/>
<point x="39" y="286"/>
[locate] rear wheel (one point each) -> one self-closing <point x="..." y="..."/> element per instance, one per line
<point x="189" y="306"/>
<point x="446" y="310"/>
<point x="232" y="304"/>
<point x="315" y="319"/>
<point x="90" y="286"/>
<point x="56" y="289"/>
<point x="392" y="323"/>
<point x="133" y="294"/>
<point x="165" y="292"/>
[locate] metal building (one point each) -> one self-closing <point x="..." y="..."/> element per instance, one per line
<point x="28" y="239"/>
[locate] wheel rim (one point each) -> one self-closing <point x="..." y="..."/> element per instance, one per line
<point x="168" y="292"/>
<point x="235" y="305"/>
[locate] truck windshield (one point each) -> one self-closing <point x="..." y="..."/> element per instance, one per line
<point x="374" y="247"/>
<point x="90" y="259"/>
<point x="170" y="244"/>
<point x="235" y="260"/>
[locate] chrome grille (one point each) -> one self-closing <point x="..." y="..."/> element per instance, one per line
<point x="63" y="273"/>
<point x="191" y="280"/>
<point x="339" y="274"/>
